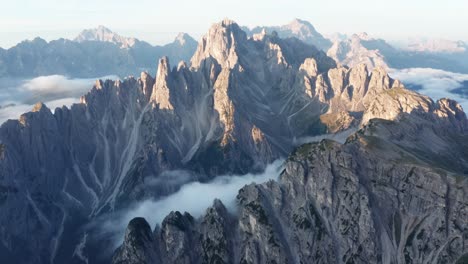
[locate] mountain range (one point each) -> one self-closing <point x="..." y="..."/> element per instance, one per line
<point x="362" y="48"/>
<point x="103" y="34"/>
<point x="101" y="52"/>
<point x="94" y="52"/>
<point x="394" y="192"/>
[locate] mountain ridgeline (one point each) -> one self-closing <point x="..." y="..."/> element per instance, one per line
<point x="363" y="49"/>
<point x="101" y="52"/>
<point x="94" y="52"/>
<point x="395" y="192"/>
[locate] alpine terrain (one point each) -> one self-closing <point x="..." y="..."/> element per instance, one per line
<point x="396" y="191"/>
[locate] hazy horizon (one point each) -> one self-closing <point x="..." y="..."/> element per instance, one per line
<point x="158" y="22"/>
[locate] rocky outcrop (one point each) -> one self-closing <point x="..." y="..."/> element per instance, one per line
<point x="361" y="48"/>
<point x="300" y="29"/>
<point x="104" y="34"/>
<point x="221" y="43"/>
<point x="137" y="239"/>
<point x="146" y="82"/>
<point x="94" y="53"/>
<point x="369" y="200"/>
<point x="71" y="165"/>
<point x="352" y="52"/>
<point x="242" y="103"/>
<point x="160" y="94"/>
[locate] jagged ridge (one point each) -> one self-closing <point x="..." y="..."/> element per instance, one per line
<point x="241" y="103"/>
<point x="370" y="200"/>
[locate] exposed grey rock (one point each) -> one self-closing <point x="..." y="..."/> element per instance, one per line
<point x="300" y="29"/>
<point x="241" y="104"/>
<point x="75" y="164"/>
<point x="351" y="52"/>
<point x="146" y="82"/>
<point x="104" y="34"/>
<point x="93" y="53"/>
<point x="138" y="246"/>
<point x="370" y="200"/>
<point x="361" y="48"/>
<point x="160" y="94"/>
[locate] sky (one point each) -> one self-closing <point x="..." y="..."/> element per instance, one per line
<point x="158" y="21"/>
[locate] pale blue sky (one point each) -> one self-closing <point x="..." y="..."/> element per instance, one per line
<point x="158" y="21"/>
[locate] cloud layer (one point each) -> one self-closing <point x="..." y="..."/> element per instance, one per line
<point x="434" y="83"/>
<point x="194" y="197"/>
<point x="18" y="96"/>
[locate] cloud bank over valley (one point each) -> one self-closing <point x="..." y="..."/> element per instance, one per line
<point x="435" y="83"/>
<point x="193" y="197"/>
<point x="18" y="96"/>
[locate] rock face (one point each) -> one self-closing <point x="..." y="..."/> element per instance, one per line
<point x="300" y="29"/>
<point x="378" y="198"/>
<point x="104" y="34"/>
<point x="95" y="52"/>
<point x="240" y="104"/>
<point x="352" y="52"/>
<point x="137" y="239"/>
<point x="361" y="48"/>
<point x="64" y="168"/>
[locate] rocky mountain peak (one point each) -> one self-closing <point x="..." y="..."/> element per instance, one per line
<point x="138" y="231"/>
<point x="40" y="106"/>
<point x="102" y="30"/>
<point x="452" y="111"/>
<point x="380" y="79"/>
<point x="353" y="51"/>
<point x="138" y="244"/>
<point x="39" y="114"/>
<point x="299" y="26"/>
<point x="300" y="29"/>
<point x="310" y="67"/>
<point x="161" y="94"/>
<point x="226" y="22"/>
<point x="183" y="38"/>
<point x="147" y="83"/>
<point x="304" y="31"/>
<point x="221" y="43"/>
<point x="260" y="36"/>
<point x="398" y="103"/>
<point x="103" y="34"/>
<point x="241" y="105"/>
<point x="362" y="36"/>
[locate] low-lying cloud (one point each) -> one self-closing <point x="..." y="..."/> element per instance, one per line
<point x="18" y="96"/>
<point x="434" y="83"/>
<point x="194" y="197"/>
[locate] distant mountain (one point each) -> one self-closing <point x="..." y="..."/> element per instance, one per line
<point x="104" y="34"/>
<point x="381" y="197"/>
<point x="384" y="196"/>
<point x="336" y="37"/>
<point x="394" y="192"/>
<point x="297" y="28"/>
<point x="236" y="106"/>
<point x="96" y="52"/>
<point x="362" y="48"/>
<point x="352" y="52"/>
<point x="438" y="46"/>
<point x="100" y="51"/>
